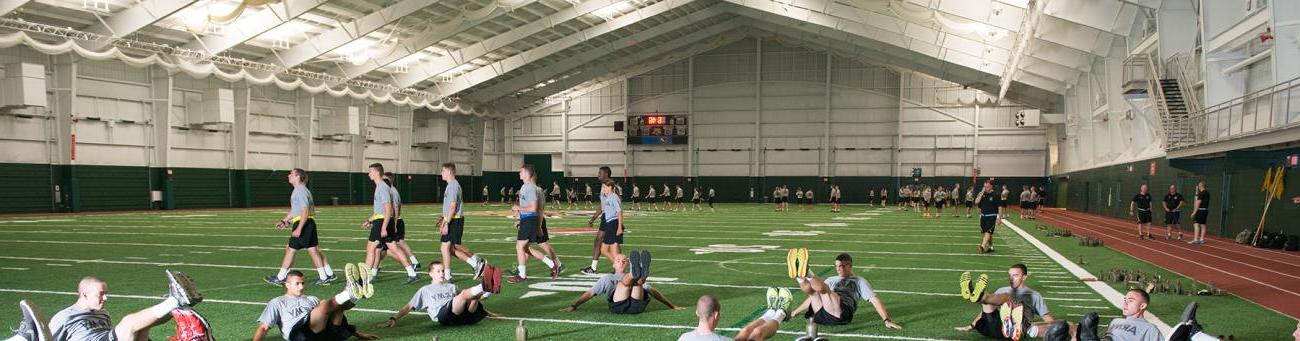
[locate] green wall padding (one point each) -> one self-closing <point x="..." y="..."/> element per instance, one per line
<point x="201" y="187"/>
<point x="108" y="188"/>
<point x="27" y="188"/>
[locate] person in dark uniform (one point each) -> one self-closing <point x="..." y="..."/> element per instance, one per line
<point x="1142" y="202"/>
<point x="1173" y="203"/>
<point x="991" y="210"/>
<point x="1201" y="215"/>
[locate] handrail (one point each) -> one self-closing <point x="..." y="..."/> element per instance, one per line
<point x="1223" y="115"/>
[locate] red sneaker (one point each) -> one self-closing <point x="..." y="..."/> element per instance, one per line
<point x="191" y="326"/>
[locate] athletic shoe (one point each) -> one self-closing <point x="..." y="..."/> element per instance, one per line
<point x="1013" y="318"/>
<point x="802" y="271"/>
<point x="33" y="327"/>
<point x="355" y="280"/>
<point x="561" y="270"/>
<point x="516" y="279"/>
<point x="964" y="282"/>
<point x="588" y="271"/>
<point x="786" y="300"/>
<point x="181" y="287"/>
<point x="494" y="275"/>
<point x="981" y="284"/>
<point x="1088" y="327"/>
<point x="411" y="280"/>
<point x="325" y="281"/>
<point x="191" y="326"/>
<point x="980" y="248"/>
<point x="791" y="262"/>
<point x="1058" y="331"/>
<point x="416" y="265"/>
<point x="773" y="299"/>
<point x="634" y="264"/>
<point x="478" y="270"/>
<point x="273" y="280"/>
<point x="645" y="264"/>
<point x="555" y="270"/>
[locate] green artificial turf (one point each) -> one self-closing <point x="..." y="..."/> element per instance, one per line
<point x="734" y="254"/>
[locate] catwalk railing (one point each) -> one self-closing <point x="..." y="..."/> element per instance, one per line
<point x="1266" y="110"/>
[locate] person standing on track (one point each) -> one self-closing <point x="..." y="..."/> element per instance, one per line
<point x="302" y="217"/>
<point x="1142" y="202"/>
<point x="1202" y="214"/>
<point x="1173" y="204"/>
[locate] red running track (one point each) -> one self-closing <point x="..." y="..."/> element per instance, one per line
<point x="1270" y="278"/>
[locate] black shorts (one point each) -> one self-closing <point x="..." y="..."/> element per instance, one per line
<point x="447" y="318"/>
<point x="809" y="201"/>
<point x="696" y="201"/>
<point x="628" y="306"/>
<point x="302" y="331"/>
<point x="677" y="200"/>
<point x="1200" y="216"/>
<point x="927" y="203"/>
<point x="1032" y="205"/>
<point x="529" y="230"/>
<point x="1173" y="218"/>
<point x="989" y="325"/>
<point x="940" y="203"/>
<point x="835" y="200"/>
<point x="846" y="313"/>
<point x="306" y="238"/>
<point x="375" y="236"/>
<point x="650" y="200"/>
<point x="635" y="199"/>
<point x="455" y="229"/>
<point x="1024" y="204"/>
<point x="988" y="223"/>
<point x="1144" y="217"/>
<point x="610" y="232"/>
<point x="400" y="234"/>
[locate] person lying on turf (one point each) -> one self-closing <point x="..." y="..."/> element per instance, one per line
<point x="1132" y="327"/>
<point x="626" y="288"/>
<point x="449" y="307"/>
<point x="87" y="320"/>
<point x="833" y="301"/>
<point x="1007" y="311"/>
<point x="307" y="318"/>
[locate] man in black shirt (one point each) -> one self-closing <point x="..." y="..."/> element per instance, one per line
<point x="991" y="210"/>
<point x="1201" y="215"/>
<point x="1142" y="201"/>
<point x="1173" y="212"/>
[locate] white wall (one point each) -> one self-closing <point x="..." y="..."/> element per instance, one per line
<point x="113" y="106"/>
<point x="784" y="111"/>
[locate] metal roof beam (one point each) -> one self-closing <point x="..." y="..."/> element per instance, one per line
<point x="248" y="27"/>
<point x="1023" y="38"/>
<point x="8" y="6"/>
<point x="345" y="33"/>
<point x="143" y="14"/>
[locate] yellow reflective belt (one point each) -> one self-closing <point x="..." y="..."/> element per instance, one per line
<point x="378" y="217"/>
<point x="296" y="219"/>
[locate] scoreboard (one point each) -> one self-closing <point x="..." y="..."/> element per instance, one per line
<point x="657" y="129"/>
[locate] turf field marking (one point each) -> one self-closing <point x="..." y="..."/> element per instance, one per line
<point x="57" y="264"/>
<point x="15" y="269"/>
<point x="36" y="221"/>
<point x="187" y="216"/>
<point x="1110" y="294"/>
<point x="1086" y="307"/>
<point x="358" y="250"/>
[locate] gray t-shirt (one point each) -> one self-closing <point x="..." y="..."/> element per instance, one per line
<point x="74" y="323"/>
<point x="432" y="297"/>
<point x="286" y="311"/>
<point x="607" y="284"/>
<point x="382" y="197"/>
<point x="610" y="205"/>
<point x="451" y="195"/>
<point x="528" y="195"/>
<point x="692" y="336"/>
<point x="855" y="287"/>
<point x="1027" y="297"/>
<point x="301" y="199"/>
<point x="1133" y="329"/>
<point x="397" y="201"/>
<point x="1025" y="196"/>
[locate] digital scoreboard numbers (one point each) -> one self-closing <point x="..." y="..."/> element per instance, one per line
<point x="652" y="129"/>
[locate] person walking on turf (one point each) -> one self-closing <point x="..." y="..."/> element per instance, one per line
<point x="451" y="225"/>
<point x="696" y="198"/>
<point x="636" y="196"/>
<point x="597" y="245"/>
<point x="835" y="198"/>
<point x="400" y="237"/>
<point x="1201" y="215"/>
<point x="678" y="198"/>
<point x="1173" y="205"/>
<point x="382" y="226"/>
<point x="485" y="195"/>
<point x="713" y="197"/>
<point x="445" y="305"/>
<point x="1007" y="312"/>
<point x="611" y="224"/>
<point x="531" y="227"/>
<point x="1142" y="202"/>
<point x="302" y="218"/>
<point x="708" y="311"/>
<point x="302" y="317"/>
<point x="833" y="301"/>
<point x="86" y="319"/>
<point x="991" y="211"/>
<point x="626" y="289"/>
